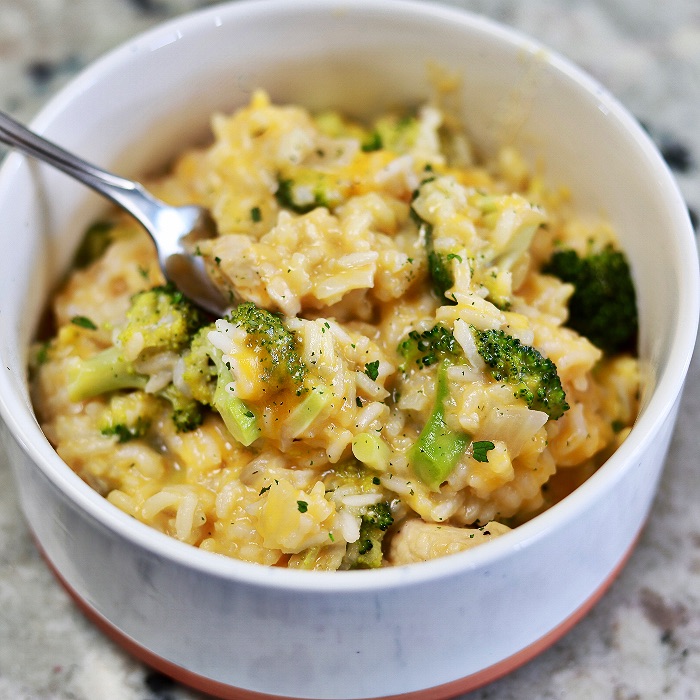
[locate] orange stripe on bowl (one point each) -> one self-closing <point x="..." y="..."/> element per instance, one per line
<point x="439" y="692"/>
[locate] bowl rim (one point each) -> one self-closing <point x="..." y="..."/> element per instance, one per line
<point x="26" y="431"/>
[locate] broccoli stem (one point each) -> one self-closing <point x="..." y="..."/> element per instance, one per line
<point x="107" y="371"/>
<point x="306" y="412"/>
<point x="371" y="450"/>
<point x="439" y="266"/>
<point x="240" y="421"/>
<point x="438" y="448"/>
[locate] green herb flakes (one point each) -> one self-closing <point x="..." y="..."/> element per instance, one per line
<point x="84" y="322"/>
<point x="372" y="370"/>
<point x="481" y="449"/>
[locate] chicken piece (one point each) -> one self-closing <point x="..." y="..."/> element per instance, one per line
<point x="418" y="541"/>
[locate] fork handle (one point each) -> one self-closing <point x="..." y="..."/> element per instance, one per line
<point x="126" y="193"/>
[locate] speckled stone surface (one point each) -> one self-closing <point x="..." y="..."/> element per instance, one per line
<point x="642" y="641"/>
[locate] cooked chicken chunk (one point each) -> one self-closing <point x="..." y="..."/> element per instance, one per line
<point x="417" y="540"/>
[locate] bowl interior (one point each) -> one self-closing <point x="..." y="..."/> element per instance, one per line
<point x="150" y="99"/>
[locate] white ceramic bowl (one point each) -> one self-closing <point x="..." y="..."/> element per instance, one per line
<point x="444" y="627"/>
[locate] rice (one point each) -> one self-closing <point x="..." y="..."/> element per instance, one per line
<point x="329" y="225"/>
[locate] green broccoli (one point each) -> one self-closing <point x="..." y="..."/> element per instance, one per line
<point x="274" y="344"/>
<point x="376" y="519"/>
<point x="352" y="475"/>
<point x="492" y="267"/>
<point x="427" y="348"/>
<point x="439" y="267"/>
<point x="280" y="366"/>
<point x="209" y="379"/>
<point x="103" y="373"/>
<point x="366" y="552"/>
<point x="603" y="307"/>
<point x="438" y="448"/>
<point x="372" y="450"/>
<point x="159" y="320"/>
<point x="373" y="142"/>
<point x="533" y="376"/>
<point x="439" y="264"/>
<point x="337" y="127"/>
<point x="129" y="416"/>
<point x="394" y="133"/>
<point x="200" y="369"/>
<point x="304" y="189"/>
<point x="187" y="413"/>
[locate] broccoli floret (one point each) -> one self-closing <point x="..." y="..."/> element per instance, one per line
<point x="275" y="346"/>
<point x="396" y="133"/>
<point x="129" y="416"/>
<point x="603" y="307"/>
<point x="439" y="267"/>
<point x="160" y="319"/>
<point x="125" y="433"/>
<point x="438" y="448"/>
<point x="210" y="379"/>
<point x="373" y="142"/>
<point x="427" y="348"/>
<point x="108" y="372"/>
<point x="304" y="189"/>
<point x="280" y="367"/>
<point x="354" y="478"/>
<point x="366" y="552"/>
<point x="380" y="516"/>
<point x="187" y="413"/>
<point x="533" y="377"/>
<point x="334" y="125"/>
<point x="200" y="370"/>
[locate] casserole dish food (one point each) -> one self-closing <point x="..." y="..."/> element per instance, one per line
<point x="442" y="626"/>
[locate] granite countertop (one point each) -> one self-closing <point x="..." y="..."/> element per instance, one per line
<point x="642" y="641"/>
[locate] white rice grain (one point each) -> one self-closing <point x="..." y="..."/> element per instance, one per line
<point x="353" y="260"/>
<point x="368" y="414"/>
<point x="157" y="503"/>
<point x="370" y="388"/>
<point x="360" y="500"/>
<point x="184" y="518"/>
<point x="465" y="338"/>
<point x="348" y="525"/>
